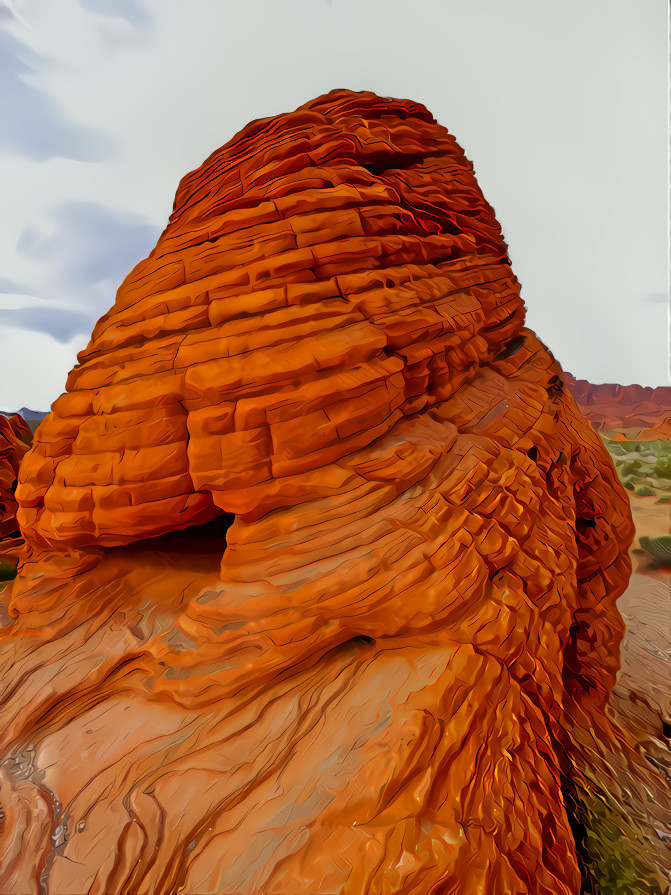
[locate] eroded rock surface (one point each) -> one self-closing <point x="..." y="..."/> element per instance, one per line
<point x="15" y="438"/>
<point x="375" y="675"/>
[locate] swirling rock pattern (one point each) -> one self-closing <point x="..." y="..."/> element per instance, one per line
<point x="322" y="276"/>
<point x="374" y="681"/>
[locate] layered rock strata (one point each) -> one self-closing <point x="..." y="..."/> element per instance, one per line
<point x="372" y="677"/>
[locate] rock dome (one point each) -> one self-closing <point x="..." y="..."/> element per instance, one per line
<point x="383" y="678"/>
<point x="323" y="275"/>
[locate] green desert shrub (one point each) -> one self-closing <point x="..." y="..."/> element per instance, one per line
<point x="7" y="570"/>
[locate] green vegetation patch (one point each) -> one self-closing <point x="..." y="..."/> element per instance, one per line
<point x="7" y="570"/>
<point x="643" y="467"/>
<point x="613" y="861"/>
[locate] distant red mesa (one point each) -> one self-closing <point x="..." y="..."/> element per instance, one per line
<point x="624" y="406"/>
<point x="321" y="558"/>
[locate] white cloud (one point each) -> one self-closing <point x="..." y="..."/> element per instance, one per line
<point x="35" y="123"/>
<point x="80" y="257"/>
<point x="35" y="367"/>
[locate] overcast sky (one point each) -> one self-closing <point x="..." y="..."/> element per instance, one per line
<point x="106" y="104"/>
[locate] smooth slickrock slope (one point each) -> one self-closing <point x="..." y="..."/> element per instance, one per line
<point x="376" y="680"/>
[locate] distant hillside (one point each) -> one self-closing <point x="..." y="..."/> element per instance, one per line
<point x="26" y="413"/>
<point x="621" y="405"/>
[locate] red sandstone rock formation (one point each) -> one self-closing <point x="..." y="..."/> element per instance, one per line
<point x="15" y="437"/>
<point x="372" y="682"/>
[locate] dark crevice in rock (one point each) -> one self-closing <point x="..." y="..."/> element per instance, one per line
<point x="511" y="347"/>
<point x="209" y="537"/>
<point x="555" y="387"/>
<point x="393" y="161"/>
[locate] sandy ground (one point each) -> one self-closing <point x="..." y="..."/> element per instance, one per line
<point x="641" y="699"/>
<point x="646" y="609"/>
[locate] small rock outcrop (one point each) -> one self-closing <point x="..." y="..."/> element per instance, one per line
<point x="15" y="438"/>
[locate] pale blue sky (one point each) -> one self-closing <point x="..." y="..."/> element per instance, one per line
<point x="106" y="104"/>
